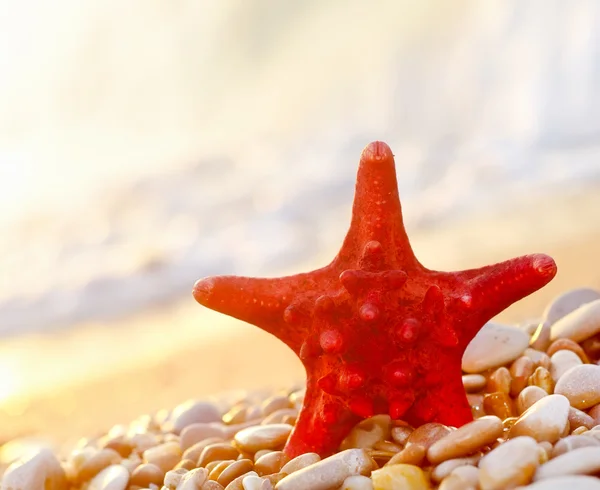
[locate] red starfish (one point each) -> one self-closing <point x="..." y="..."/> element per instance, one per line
<point x="376" y="331"/>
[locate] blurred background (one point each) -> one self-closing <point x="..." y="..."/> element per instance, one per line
<point x="145" y="144"/>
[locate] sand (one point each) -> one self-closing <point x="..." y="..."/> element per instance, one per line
<point x="250" y="359"/>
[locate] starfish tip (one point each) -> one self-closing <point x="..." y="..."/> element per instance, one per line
<point x="377" y="151"/>
<point x="203" y="290"/>
<point x="544" y="265"/>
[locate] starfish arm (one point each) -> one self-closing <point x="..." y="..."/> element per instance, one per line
<point x="323" y="423"/>
<point x="451" y="401"/>
<point x="259" y="301"/>
<point x="493" y="288"/>
<point x="376" y="212"/>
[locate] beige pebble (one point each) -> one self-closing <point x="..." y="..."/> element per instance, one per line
<point x="217" y="452"/>
<point x="299" y="462"/>
<point x="500" y="381"/>
<point x="173" y="477"/>
<point x="401" y="434"/>
<point x="271" y="462"/>
<point x="330" y="472"/>
<point x="570" y="443"/>
<point x="528" y="397"/>
<point x="541" y="377"/>
<point x="368" y="432"/>
<point x="192" y="412"/>
<point x="114" y="477"/>
<point x="234" y="471"/>
<point x="398" y="476"/>
<point x="146" y="474"/>
<point x="212" y="485"/>
<point x="540" y="338"/>
<point x="238" y="483"/>
<point x="499" y="404"/>
<point x="561" y="361"/>
<point x="493" y="346"/>
<point x="581" y="385"/>
<point x="96" y="463"/>
<point x="581" y="461"/>
<point x="278" y="416"/>
<point x="252" y="482"/>
<point x="473" y="382"/>
<point x="442" y="470"/>
<point x="165" y="456"/>
<point x="570" y="345"/>
<point x="510" y="464"/>
<point x="594" y="412"/>
<point x="194" y="452"/>
<point x="143" y="441"/>
<point x="539" y="358"/>
<point x="193" y="479"/>
<point x="195" y="433"/>
<point x="40" y="470"/>
<point x="357" y="482"/>
<point x="461" y="478"/>
<point x="546" y="420"/>
<point x="568" y="302"/>
<point x="466" y="439"/>
<point x="580" y="324"/>
<point x="275" y="403"/>
<point x="578" y="482"/>
<point x="578" y="418"/>
<point x="258" y="437"/>
<point x="419" y="442"/>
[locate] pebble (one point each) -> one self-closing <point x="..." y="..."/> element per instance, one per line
<point x="38" y="471"/>
<point x="419" y="442"/>
<point x="299" y="462"/>
<point x="566" y="482"/>
<point x="581" y="461"/>
<point x="581" y="385"/>
<point x="466" y="439"/>
<point x="442" y="470"/>
<point x="271" y="462"/>
<point x="115" y="477"/>
<point x="145" y="474"/>
<point x="96" y="463"/>
<point x="569" y="301"/>
<point x="192" y="412"/>
<point x="493" y="346"/>
<point x="561" y="362"/>
<point x="473" y="382"/>
<point x="165" y="456"/>
<point x="528" y="397"/>
<point x="234" y="471"/>
<point x="580" y="324"/>
<point x="329" y="473"/>
<point x="570" y="443"/>
<point x="405" y="476"/>
<point x="192" y="480"/>
<point x="510" y="464"/>
<point x="259" y="437"/>
<point x="540" y="339"/>
<point x="357" y="482"/>
<point x="546" y="420"/>
<point x="197" y="432"/>
<point x="368" y="432"/>
<point x="568" y="344"/>
<point x="578" y="418"/>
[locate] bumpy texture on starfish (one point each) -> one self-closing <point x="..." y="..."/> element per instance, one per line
<point x="376" y="331"/>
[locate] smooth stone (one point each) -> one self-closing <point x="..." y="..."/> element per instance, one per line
<point x="329" y="473"/>
<point x="570" y="443"/>
<point x="396" y="476"/>
<point x="580" y="324"/>
<point x="192" y="412"/>
<point x="474" y="382"/>
<point x="40" y="470"/>
<point x="569" y="301"/>
<point x="115" y="477"/>
<point x="299" y="462"/>
<point x="368" y="432"/>
<point x="545" y="420"/>
<point x="510" y="464"/>
<point x="259" y="437"/>
<point x="566" y="483"/>
<point x="165" y="455"/>
<point x="528" y="397"/>
<point x="581" y="461"/>
<point x="581" y="385"/>
<point x="357" y="482"/>
<point x="466" y="440"/>
<point x="561" y="362"/>
<point x="444" y="469"/>
<point x="493" y="346"/>
<point x="197" y="432"/>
